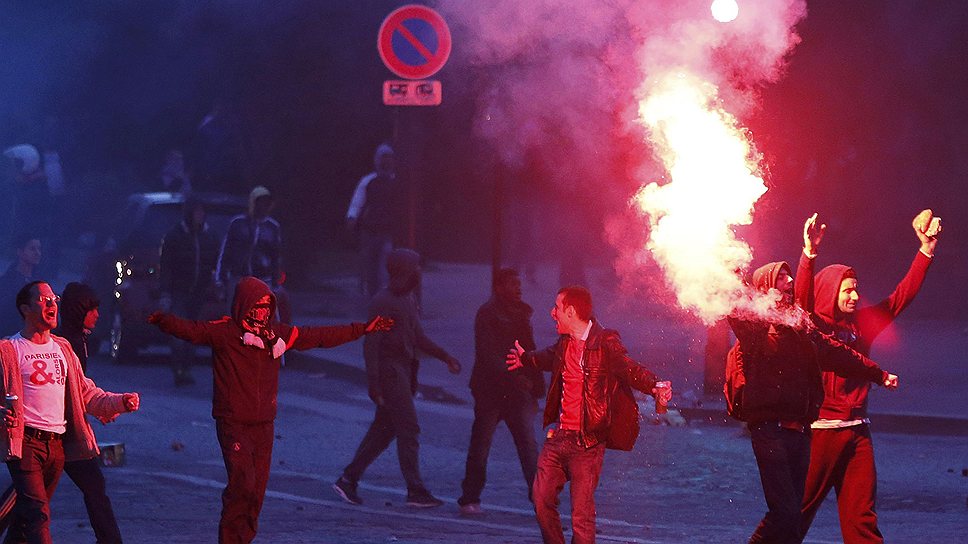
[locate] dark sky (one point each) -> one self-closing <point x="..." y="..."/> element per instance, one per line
<point x="867" y="127"/>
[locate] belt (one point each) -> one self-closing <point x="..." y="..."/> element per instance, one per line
<point x="46" y="436"/>
<point x="793" y="426"/>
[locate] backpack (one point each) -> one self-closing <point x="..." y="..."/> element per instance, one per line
<point x="735" y="383"/>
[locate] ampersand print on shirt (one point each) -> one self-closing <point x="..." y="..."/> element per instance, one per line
<point x="48" y="368"/>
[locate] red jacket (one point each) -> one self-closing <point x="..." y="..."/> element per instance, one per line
<point x="846" y="398"/>
<point x="247" y="377"/>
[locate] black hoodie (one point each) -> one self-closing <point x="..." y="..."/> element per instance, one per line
<point x="395" y="350"/>
<point x="246" y="376"/>
<point x="77" y="300"/>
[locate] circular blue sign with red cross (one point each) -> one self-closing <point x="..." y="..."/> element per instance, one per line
<point x="414" y="42"/>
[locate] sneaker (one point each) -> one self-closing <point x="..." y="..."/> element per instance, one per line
<point x="347" y="491"/>
<point x="423" y="500"/>
<point x="471" y="509"/>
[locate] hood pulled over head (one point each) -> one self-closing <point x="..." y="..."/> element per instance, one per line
<point x="77" y="300"/>
<point x="764" y="277"/>
<point x="247" y="294"/>
<point x="826" y="291"/>
<point x="403" y="266"/>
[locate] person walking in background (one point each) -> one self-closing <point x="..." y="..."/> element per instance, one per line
<point x="374" y="212"/>
<point x="253" y="247"/>
<point x="79" y="315"/>
<point x="49" y="426"/>
<point x="391" y="373"/>
<point x="188" y="255"/>
<point x="842" y="454"/>
<point x="500" y="395"/>
<point x="246" y="352"/>
<point x="590" y="398"/>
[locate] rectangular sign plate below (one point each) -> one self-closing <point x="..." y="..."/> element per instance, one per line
<point x="400" y="92"/>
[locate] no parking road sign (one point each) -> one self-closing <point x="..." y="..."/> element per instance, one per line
<point x="414" y="42"/>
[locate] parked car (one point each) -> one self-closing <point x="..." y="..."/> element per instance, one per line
<point x="125" y="272"/>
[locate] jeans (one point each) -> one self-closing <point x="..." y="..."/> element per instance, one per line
<point x="517" y="410"/>
<point x="395" y="419"/>
<point x="35" y="477"/>
<point x="843" y="459"/>
<point x="782" y="456"/>
<point x="564" y="459"/>
<point x="247" y="453"/>
<point x="87" y="475"/>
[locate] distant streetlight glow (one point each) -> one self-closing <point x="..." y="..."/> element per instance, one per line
<point x="724" y="11"/>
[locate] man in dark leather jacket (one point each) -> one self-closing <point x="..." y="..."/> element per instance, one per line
<point x="591" y="399"/>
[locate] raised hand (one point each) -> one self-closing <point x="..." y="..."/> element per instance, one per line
<point x="891" y="382"/>
<point x="927" y="227"/>
<point x="379" y="324"/>
<point x="514" y="357"/>
<point x="812" y="234"/>
<point x="155" y="317"/>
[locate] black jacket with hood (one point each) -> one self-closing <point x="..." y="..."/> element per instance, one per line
<point x="391" y="356"/>
<point x="783" y="365"/>
<point x="77" y="300"/>
<point x="246" y="376"/>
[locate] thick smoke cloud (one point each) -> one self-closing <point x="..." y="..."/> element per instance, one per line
<point x="565" y="81"/>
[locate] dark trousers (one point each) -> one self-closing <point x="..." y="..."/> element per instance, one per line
<point x="247" y="453"/>
<point x="843" y="459"/>
<point x="564" y="459"/>
<point x="396" y="419"/>
<point x="782" y="456"/>
<point x="35" y="477"/>
<point x="517" y="410"/>
<point x="374" y="248"/>
<point x="87" y="476"/>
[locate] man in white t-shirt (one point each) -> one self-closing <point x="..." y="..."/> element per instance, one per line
<point x="46" y="424"/>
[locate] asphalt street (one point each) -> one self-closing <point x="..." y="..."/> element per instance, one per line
<point x="693" y="483"/>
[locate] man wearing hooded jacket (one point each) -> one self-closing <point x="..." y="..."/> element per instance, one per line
<point x="842" y="456"/>
<point x="79" y="316"/>
<point x="782" y="397"/>
<point x="375" y="212"/>
<point x="246" y="350"/>
<point x="391" y="373"/>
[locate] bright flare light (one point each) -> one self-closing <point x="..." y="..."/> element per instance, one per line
<point x="724" y="11"/>
<point x="714" y="182"/>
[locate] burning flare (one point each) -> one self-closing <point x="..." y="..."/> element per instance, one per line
<point x="714" y="181"/>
